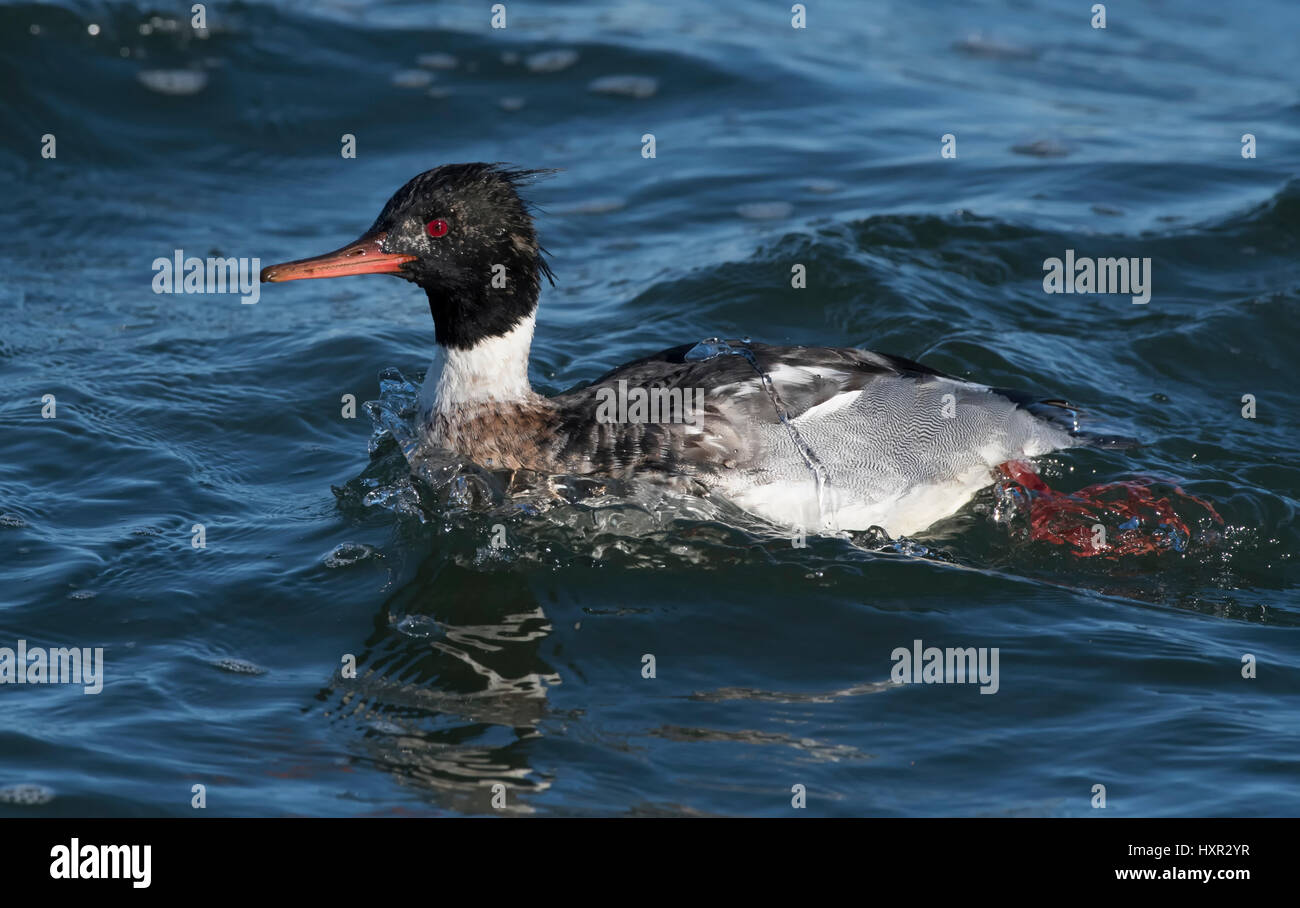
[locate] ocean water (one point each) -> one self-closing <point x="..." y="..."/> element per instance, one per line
<point x="509" y="678"/>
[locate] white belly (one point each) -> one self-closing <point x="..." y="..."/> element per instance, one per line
<point x="899" y="455"/>
<point x="796" y="504"/>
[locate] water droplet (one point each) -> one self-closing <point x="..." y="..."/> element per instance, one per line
<point x="551" y="61"/>
<point x="436" y="61"/>
<point x="176" y="82"/>
<point x="411" y="78"/>
<point x="626" y="86"/>
<point x="348" y="553"/>
<point x="26" y="795"/>
<point x="238" y="667"/>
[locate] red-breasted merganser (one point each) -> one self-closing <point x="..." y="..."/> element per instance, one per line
<point x="822" y="439"/>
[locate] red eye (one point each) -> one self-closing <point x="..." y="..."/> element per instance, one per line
<point x="436" y="228"/>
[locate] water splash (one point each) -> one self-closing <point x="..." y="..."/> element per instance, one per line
<point x="551" y="520"/>
<point x="346" y="554"/>
<point x="394" y="415"/>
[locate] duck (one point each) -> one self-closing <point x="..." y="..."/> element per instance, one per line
<point x="809" y="439"/>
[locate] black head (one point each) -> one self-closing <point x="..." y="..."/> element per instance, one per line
<point x="460" y="231"/>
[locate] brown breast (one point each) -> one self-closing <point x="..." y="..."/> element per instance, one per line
<point x="513" y="436"/>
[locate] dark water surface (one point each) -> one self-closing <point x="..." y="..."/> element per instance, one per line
<point x="522" y="665"/>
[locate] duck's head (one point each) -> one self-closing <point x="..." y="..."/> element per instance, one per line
<point x="460" y="231"/>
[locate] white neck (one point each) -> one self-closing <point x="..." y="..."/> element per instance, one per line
<point x="494" y="370"/>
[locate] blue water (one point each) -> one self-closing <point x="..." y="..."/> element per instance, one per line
<point x="522" y="666"/>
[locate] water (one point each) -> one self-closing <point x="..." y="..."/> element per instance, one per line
<point x="499" y="638"/>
